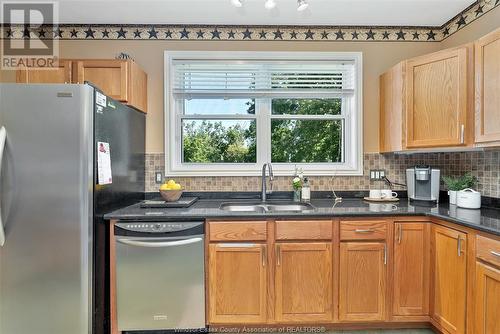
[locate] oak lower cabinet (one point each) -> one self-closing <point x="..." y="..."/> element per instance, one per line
<point x="303" y="282"/>
<point x="486" y="307"/>
<point x="237" y="283"/>
<point x="449" y="268"/>
<point x="363" y="277"/>
<point x="487" y="73"/>
<point x="411" y="269"/>
<point x="487" y="304"/>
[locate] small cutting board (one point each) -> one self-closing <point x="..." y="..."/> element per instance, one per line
<point x="380" y="200"/>
<point x="183" y="202"/>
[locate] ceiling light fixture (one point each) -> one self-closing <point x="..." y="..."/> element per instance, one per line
<point x="302" y="5"/>
<point x="270" y="4"/>
<point x="237" y="3"/>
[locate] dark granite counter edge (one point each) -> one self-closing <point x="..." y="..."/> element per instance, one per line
<point x="244" y="215"/>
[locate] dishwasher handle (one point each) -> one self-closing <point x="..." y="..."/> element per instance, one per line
<point x="159" y="244"/>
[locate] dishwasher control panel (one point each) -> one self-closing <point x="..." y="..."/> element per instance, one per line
<point x="158" y="227"/>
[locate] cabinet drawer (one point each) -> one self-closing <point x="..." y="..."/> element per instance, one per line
<point x="363" y="230"/>
<point x="488" y="250"/>
<point x="303" y="229"/>
<point x="238" y="231"/>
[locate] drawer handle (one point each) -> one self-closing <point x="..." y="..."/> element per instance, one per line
<point x="370" y="230"/>
<point x="236" y="245"/>
<point x="495" y="253"/>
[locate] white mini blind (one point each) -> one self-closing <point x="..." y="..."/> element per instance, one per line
<point x="262" y="78"/>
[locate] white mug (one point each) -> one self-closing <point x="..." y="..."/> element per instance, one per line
<point x="376" y="193"/>
<point x="388" y="193"/>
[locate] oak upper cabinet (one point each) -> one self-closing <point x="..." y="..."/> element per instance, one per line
<point x="237" y="283"/>
<point x="449" y="270"/>
<point x="411" y="269"/>
<point x="60" y="74"/>
<point x="487" y="72"/>
<point x="487" y="286"/>
<point x="438" y="98"/>
<point x="123" y="80"/>
<point x="427" y="102"/>
<point x="392" y="109"/>
<point x="304" y="282"/>
<point x="363" y="277"/>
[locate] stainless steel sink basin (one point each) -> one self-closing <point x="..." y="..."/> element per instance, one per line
<point x="266" y="207"/>
<point x="242" y="207"/>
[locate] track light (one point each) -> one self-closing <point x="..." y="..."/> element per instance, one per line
<point x="237" y="3"/>
<point x="270" y="4"/>
<point x="302" y="5"/>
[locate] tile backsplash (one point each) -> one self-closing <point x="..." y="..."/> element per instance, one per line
<point x="485" y="165"/>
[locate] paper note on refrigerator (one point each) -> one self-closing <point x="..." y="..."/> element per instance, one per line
<point x="103" y="164"/>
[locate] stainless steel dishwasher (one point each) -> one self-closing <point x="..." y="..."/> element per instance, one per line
<point x="160" y="275"/>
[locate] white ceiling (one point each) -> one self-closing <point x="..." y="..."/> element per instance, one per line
<point x="220" y="12"/>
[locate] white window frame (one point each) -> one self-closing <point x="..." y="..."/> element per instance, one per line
<point x="353" y="137"/>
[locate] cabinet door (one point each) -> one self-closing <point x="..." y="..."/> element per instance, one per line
<point x="237" y="286"/>
<point x="487" y="72"/>
<point x="411" y="269"/>
<point x="449" y="278"/>
<point x="363" y="276"/>
<point x="304" y="282"/>
<point x="437" y="99"/>
<point x="60" y="74"/>
<point x="487" y="307"/>
<point x="111" y="76"/>
<point x="392" y="105"/>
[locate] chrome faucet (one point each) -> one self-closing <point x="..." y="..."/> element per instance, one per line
<point x="264" y="183"/>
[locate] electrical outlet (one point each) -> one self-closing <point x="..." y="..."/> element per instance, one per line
<point x="377" y="174"/>
<point x="159" y="177"/>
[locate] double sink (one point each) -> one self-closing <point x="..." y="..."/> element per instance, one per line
<point x="263" y="207"/>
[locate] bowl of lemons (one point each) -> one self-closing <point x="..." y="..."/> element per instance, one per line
<point x="171" y="191"/>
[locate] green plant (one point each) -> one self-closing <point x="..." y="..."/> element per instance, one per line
<point x="461" y="182"/>
<point x="297" y="183"/>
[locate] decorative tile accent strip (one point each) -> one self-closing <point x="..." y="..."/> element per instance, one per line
<point x="484" y="165"/>
<point x="254" y="33"/>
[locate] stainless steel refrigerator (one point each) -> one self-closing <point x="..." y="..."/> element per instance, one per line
<point x="54" y="242"/>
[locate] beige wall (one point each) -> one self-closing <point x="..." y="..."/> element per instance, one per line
<point x="377" y="57"/>
<point x="487" y="23"/>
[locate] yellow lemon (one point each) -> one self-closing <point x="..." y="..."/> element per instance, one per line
<point x="177" y="187"/>
<point x="171" y="182"/>
<point x="164" y="186"/>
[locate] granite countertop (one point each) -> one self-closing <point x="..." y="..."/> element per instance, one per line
<point x="486" y="220"/>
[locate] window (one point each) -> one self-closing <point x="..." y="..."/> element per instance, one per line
<point x="229" y="113"/>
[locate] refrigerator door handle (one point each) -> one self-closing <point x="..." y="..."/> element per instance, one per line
<point x="3" y="137"/>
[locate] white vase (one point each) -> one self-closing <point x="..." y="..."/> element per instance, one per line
<point x="453" y="196"/>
